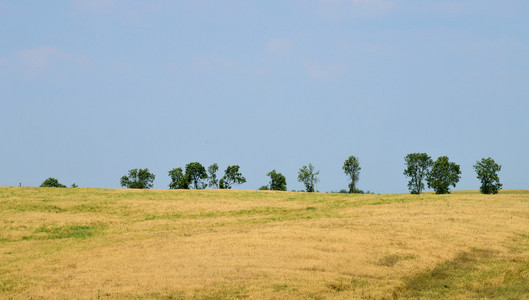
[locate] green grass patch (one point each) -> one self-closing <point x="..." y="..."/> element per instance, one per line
<point x="8" y="285"/>
<point x="391" y="260"/>
<point x="221" y="292"/>
<point x="30" y="206"/>
<point x="46" y="232"/>
<point x="474" y="274"/>
<point x="346" y="284"/>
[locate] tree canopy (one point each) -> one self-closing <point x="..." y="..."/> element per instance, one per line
<point x="417" y="168"/>
<point x="212" y="171"/>
<point x="443" y="175"/>
<point x="308" y="177"/>
<point x="351" y="167"/>
<point x="231" y="176"/>
<point x="487" y="172"/>
<point x="278" y="182"/>
<point x="179" y="180"/>
<point x="52" y="182"/>
<point x="196" y="174"/>
<point x="138" y="179"/>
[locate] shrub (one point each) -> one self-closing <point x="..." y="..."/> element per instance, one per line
<point x="52" y="182"/>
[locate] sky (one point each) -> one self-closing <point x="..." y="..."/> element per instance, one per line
<point x="90" y="89"/>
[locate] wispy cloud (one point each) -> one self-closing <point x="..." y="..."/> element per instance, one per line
<point x="40" y="57"/>
<point x="337" y="9"/>
<point x="278" y="46"/>
<point x="4" y="8"/>
<point x="121" y="67"/>
<point x="360" y="47"/>
<point x="121" y="8"/>
<point x="322" y="72"/>
<point x="459" y="8"/>
<point x="43" y="58"/>
<point x="211" y="62"/>
<point x="93" y="5"/>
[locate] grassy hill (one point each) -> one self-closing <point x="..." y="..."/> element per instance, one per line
<point x="113" y="243"/>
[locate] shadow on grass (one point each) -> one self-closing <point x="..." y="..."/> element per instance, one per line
<point x="477" y="273"/>
<point x="63" y="232"/>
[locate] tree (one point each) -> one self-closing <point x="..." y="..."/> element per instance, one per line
<point x="351" y="167"/>
<point x="196" y="174"/>
<point x="179" y="180"/>
<point x="52" y="182"/>
<point x="417" y="168"/>
<point x="308" y="177"/>
<point x="138" y="179"/>
<point x="213" y="181"/>
<point x="264" y="188"/>
<point x="231" y="176"/>
<point x="443" y="175"/>
<point x="486" y="170"/>
<point x="278" y="182"/>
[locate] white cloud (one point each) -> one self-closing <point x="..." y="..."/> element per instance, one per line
<point x="278" y="46"/>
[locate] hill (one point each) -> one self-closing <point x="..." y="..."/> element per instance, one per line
<point x="115" y="243"/>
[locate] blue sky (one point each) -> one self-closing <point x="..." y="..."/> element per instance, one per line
<point x="92" y="88"/>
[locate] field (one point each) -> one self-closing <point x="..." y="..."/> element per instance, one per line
<point x="211" y="244"/>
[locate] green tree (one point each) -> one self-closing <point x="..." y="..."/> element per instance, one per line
<point x="351" y="167"/>
<point x="308" y="177"/>
<point x="486" y="170"/>
<point x="196" y="174"/>
<point x="231" y="176"/>
<point x="278" y="182"/>
<point x="52" y="182"/>
<point x="443" y="175"/>
<point x="138" y="179"/>
<point x="179" y="180"/>
<point x="213" y="181"/>
<point x="417" y="168"/>
<point x="264" y="188"/>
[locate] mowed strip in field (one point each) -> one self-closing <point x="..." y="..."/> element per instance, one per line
<point x="114" y="243"/>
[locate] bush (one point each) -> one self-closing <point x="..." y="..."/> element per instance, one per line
<point x="52" y="182"/>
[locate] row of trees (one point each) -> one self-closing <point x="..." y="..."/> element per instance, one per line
<point x="442" y="174"/>
<point x="309" y="177"/>
<point x="420" y="168"/>
<point x="194" y="176"/>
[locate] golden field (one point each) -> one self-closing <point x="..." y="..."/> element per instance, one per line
<point x="211" y="244"/>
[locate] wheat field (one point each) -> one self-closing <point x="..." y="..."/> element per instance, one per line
<point x="225" y="244"/>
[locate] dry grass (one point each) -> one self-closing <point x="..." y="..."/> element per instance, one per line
<point x="98" y="243"/>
